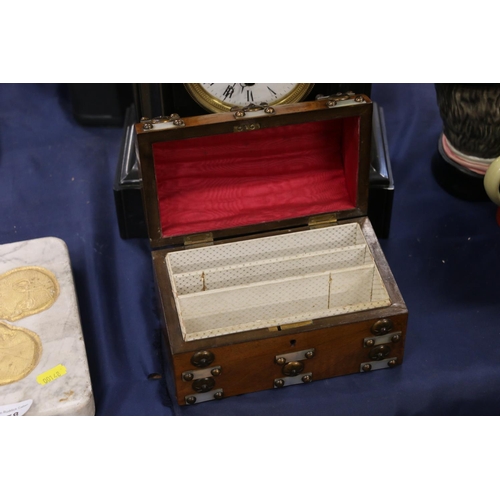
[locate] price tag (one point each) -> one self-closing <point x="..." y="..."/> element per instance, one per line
<point x="16" y="409"/>
<point x="51" y="375"/>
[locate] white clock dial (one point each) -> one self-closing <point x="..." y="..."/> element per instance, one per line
<point x="242" y="94"/>
<point x="224" y="96"/>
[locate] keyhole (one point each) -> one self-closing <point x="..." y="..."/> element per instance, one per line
<point x="292" y="343"/>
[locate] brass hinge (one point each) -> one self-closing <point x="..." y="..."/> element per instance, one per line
<point x="289" y="326"/>
<point x="160" y="121"/>
<point x="240" y="112"/>
<point x="322" y="221"/>
<point x="199" y="240"/>
<point x="341" y="98"/>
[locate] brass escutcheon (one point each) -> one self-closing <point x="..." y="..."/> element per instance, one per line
<point x="379" y="352"/>
<point x="202" y="359"/>
<point x="382" y="326"/>
<point x="203" y="384"/>
<point x="293" y="368"/>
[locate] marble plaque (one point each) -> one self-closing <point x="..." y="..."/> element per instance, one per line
<point x="43" y="362"/>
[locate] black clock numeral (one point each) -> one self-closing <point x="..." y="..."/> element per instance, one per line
<point x="272" y="91"/>
<point x="249" y="96"/>
<point x="228" y="93"/>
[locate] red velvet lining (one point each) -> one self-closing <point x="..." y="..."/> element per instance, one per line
<point x="231" y="180"/>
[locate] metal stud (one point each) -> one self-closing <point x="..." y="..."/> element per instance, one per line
<point x="218" y="395"/>
<point x="358" y="98"/>
<point x="391" y="363"/>
<point x="187" y="376"/>
<point x="309" y="354"/>
<point x="281" y="361"/>
<point x="190" y="400"/>
<point x="369" y="343"/>
<point x="147" y="126"/>
<point x="216" y="372"/>
<point x="269" y="110"/>
<point x="396" y="338"/>
<point x="279" y="383"/>
<point x="306" y="379"/>
<point x="367" y="367"/>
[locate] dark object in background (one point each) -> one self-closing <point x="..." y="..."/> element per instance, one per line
<point x="455" y="179"/>
<point x="381" y="194"/>
<point x="100" y="104"/>
<point x="128" y="184"/>
<point x="127" y="187"/>
<point x="471" y="126"/>
<point x="471" y="117"/>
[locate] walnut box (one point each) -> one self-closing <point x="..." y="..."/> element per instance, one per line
<point x="268" y="271"/>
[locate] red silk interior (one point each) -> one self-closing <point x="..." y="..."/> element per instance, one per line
<point x="232" y="180"/>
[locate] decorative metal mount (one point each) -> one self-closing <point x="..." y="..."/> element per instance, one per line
<point x="293" y="380"/>
<point x="174" y="118"/>
<point x="371" y="366"/>
<point x="191" y="375"/>
<point x="216" y="394"/>
<point x="334" y="99"/>
<point x="252" y="108"/>
<point x="283" y="359"/>
<point x="382" y="339"/>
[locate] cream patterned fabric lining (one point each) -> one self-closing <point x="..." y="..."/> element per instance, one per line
<point x="273" y="281"/>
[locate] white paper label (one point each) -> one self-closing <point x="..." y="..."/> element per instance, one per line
<point x="16" y="409"/>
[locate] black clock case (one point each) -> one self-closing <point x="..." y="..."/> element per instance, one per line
<point x="163" y="99"/>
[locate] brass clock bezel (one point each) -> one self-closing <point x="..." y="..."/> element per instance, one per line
<point x="215" y="105"/>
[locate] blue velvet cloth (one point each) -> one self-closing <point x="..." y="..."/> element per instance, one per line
<point x="57" y="178"/>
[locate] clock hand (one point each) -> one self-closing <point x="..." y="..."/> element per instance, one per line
<point x="272" y="91"/>
<point x="244" y="85"/>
